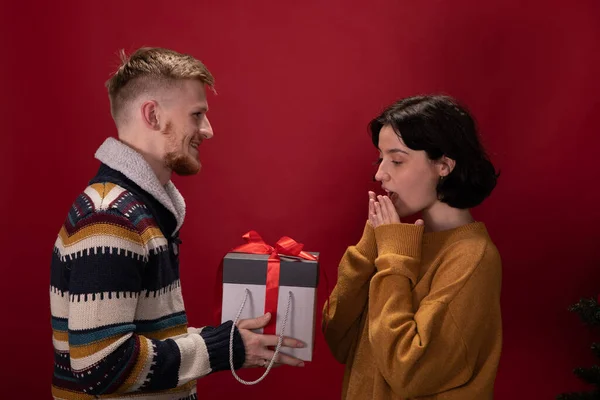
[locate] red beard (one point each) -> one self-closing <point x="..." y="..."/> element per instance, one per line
<point x="177" y="160"/>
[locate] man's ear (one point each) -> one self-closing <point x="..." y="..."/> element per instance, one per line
<point x="150" y="114"/>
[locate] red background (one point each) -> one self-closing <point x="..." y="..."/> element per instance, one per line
<point x="297" y="85"/>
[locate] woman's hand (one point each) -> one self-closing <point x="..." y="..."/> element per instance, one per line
<point x="372" y="200"/>
<point x="382" y="211"/>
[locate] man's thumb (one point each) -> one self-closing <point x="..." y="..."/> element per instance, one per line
<point x="255" y="323"/>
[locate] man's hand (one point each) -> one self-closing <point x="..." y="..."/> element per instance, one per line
<point x="257" y="352"/>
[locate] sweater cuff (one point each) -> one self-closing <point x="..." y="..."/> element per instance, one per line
<point x="367" y="246"/>
<point x="217" y="344"/>
<point x="402" y="239"/>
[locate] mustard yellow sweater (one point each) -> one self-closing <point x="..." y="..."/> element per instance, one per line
<point x="416" y="315"/>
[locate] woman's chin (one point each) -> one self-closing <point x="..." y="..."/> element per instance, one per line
<point x="400" y="209"/>
<point x="404" y="213"/>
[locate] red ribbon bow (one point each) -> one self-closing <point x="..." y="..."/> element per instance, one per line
<point x="285" y="246"/>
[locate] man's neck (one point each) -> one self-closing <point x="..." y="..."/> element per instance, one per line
<point x="158" y="166"/>
<point x="156" y="163"/>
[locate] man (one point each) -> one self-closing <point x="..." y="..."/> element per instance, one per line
<point x="118" y="318"/>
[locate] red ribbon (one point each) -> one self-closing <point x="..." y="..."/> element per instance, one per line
<point x="285" y="246"/>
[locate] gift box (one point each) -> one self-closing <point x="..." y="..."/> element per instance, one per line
<point x="280" y="279"/>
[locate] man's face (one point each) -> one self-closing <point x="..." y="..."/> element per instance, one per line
<point x="186" y="127"/>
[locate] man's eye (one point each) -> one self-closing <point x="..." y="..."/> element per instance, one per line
<point x="379" y="160"/>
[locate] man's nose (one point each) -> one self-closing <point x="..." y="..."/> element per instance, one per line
<point x="206" y="129"/>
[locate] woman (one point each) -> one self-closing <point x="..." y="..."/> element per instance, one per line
<point x="415" y="312"/>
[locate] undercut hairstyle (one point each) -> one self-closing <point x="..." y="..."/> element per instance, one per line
<point x="147" y="69"/>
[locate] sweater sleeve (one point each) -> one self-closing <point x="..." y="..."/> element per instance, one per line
<point x="430" y="349"/>
<point x="346" y="304"/>
<point x="107" y="257"/>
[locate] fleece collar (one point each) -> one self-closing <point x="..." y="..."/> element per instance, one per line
<point x="130" y="163"/>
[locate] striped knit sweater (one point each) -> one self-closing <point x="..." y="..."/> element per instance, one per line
<point x="118" y="318"/>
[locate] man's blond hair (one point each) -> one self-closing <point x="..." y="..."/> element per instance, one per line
<point x="149" y="68"/>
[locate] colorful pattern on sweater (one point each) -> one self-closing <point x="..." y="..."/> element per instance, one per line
<point x="118" y="317"/>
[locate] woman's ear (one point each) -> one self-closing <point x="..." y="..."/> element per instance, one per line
<point x="445" y="165"/>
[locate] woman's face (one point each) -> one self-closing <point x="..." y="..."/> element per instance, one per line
<point x="409" y="176"/>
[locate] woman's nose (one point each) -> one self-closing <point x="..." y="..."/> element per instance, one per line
<point x="381" y="175"/>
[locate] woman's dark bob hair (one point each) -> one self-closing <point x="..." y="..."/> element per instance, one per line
<point x="440" y="126"/>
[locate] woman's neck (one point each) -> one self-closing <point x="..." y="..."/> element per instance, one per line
<point x="442" y="217"/>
